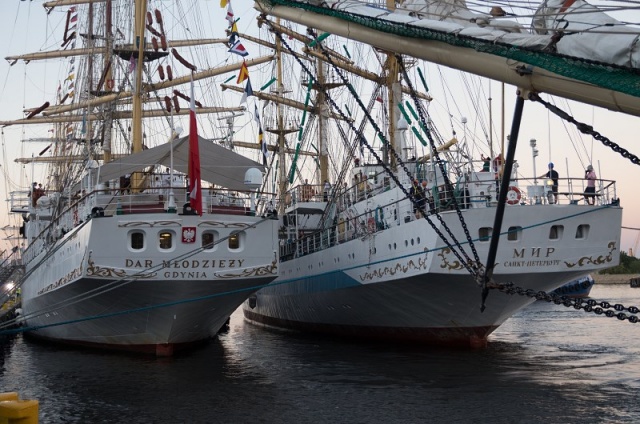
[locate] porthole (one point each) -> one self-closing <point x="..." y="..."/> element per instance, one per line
<point x="582" y="232"/>
<point x="484" y="233"/>
<point x="136" y="240"/>
<point x="514" y="233"/>
<point x="166" y="240"/>
<point x="555" y="232"/>
<point x="236" y="241"/>
<point x="208" y="239"/>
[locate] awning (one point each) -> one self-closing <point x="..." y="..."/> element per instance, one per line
<point x="218" y="165"/>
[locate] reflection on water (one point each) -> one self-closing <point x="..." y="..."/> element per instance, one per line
<point x="548" y="363"/>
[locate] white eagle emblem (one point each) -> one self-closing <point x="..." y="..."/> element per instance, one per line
<point x="188" y="234"/>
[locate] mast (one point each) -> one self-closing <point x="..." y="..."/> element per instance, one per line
<point x="393" y="72"/>
<point x="490" y="125"/>
<point x="106" y="144"/>
<point x="321" y="101"/>
<point x="139" y="28"/>
<point x="136" y="124"/>
<point x="88" y="129"/>
<point x="280" y="130"/>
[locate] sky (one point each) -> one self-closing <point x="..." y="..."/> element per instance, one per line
<point x="26" y="28"/>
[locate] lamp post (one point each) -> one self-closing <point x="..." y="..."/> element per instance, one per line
<point x="534" y="153"/>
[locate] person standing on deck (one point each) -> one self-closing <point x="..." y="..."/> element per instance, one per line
<point x="326" y="190"/>
<point x="590" y="191"/>
<point x="307" y="191"/>
<point x="553" y="175"/>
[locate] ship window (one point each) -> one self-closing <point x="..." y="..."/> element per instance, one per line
<point x="208" y="240"/>
<point x="582" y="232"/>
<point x="137" y="240"/>
<point x="484" y="233"/>
<point x="555" y="233"/>
<point x="234" y="241"/>
<point x="166" y="240"/>
<point x="514" y="233"/>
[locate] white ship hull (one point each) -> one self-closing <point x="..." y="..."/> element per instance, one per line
<point x="401" y="283"/>
<point x="91" y="288"/>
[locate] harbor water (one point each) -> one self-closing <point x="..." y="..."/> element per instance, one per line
<point x="548" y="364"/>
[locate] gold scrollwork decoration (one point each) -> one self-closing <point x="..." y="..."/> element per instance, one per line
<point x="219" y="224"/>
<point x="260" y="271"/>
<point x="149" y="224"/>
<point x="393" y="270"/>
<point x="589" y="260"/>
<point x="456" y="265"/>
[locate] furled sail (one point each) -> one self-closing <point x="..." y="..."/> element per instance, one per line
<point x="529" y="61"/>
<point x="588" y="32"/>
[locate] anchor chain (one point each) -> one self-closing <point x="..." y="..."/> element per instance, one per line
<point x="589" y="305"/>
<point x="587" y="129"/>
<point x="439" y="161"/>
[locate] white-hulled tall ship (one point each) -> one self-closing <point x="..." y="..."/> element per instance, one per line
<point x="149" y="248"/>
<point x="391" y="244"/>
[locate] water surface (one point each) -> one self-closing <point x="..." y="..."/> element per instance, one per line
<point x="546" y="364"/>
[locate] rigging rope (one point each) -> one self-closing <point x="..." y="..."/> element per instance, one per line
<point x="587" y="129"/>
<point x="466" y="263"/>
<point x="440" y="162"/>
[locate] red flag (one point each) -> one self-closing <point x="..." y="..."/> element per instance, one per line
<point x="195" y="185"/>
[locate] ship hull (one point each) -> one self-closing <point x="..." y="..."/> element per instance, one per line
<point x="401" y="284"/>
<point x="132" y="317"/>
<point x="91" y="288"/>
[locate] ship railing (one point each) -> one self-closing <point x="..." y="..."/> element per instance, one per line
<point x="156" y="200"/>
<point x="524" y="191"/>
<point x="346" y="195"/>
<point x="350" y="226"/>
<point x="20" y="201"/>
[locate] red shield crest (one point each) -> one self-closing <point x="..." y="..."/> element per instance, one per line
<point x="188" y="234"/>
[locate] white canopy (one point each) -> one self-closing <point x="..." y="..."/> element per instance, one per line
<point x="218" y="165"/>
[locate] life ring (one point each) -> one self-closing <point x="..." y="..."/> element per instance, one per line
<point x="513" y="195"/>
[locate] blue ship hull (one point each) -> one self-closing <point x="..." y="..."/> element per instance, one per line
<point x="580" y="287"/>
